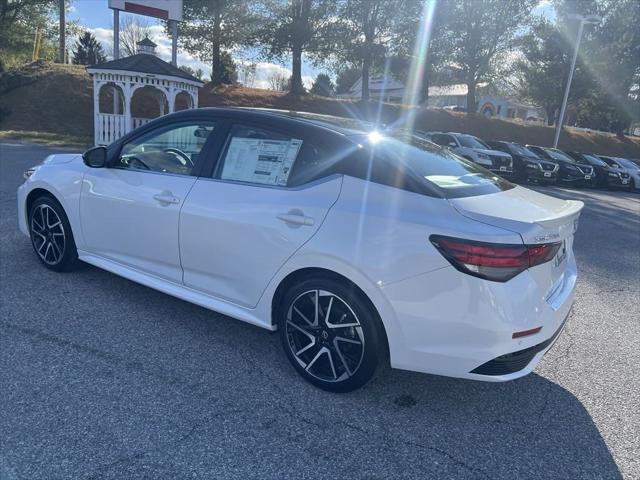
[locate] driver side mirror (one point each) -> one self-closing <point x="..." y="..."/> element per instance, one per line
<point x="95" y="157"/>
<point x="452" y="145"/>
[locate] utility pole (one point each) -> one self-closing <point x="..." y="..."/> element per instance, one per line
<point x="593" y="19"/>
<point x="62" y="48"/>
<point x="116" y="34"/>
<point x="174" y="42"/>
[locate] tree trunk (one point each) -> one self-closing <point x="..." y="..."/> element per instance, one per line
<point x="366" y="64"/>
<point x="62" y="47"/>
<point x="551" y="113"/>
<point x="424" y="89"/>
<point x="216" y="64"/>
<point x="471" y="96"/>
<point x="296" y="70"/>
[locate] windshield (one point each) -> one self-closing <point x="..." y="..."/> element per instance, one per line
<point x="627" y="163"/>
<point x="521" y="150"/>
<point x="558" y="155"/>
<point x="593" y="160"/>
<point x="470" y="141"/>
<point x="439" y="168"/>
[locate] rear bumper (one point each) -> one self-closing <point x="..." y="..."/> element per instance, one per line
<point x="456" y="325"/>
<point x="516" y="361"/>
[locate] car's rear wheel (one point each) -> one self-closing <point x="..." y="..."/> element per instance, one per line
<point x="330" y="334"/>
<point x="51" y="235"/>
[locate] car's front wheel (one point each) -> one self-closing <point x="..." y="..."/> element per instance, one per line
<point x="51" y="235"/>
<point x="331" y="334"/>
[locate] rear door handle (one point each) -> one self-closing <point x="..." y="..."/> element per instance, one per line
<point x="296" y="219"/>
<point x="166" y="198"/>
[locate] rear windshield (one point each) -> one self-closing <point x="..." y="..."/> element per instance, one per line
<point x="436" y="168"/>
<point x="470" y="141"/>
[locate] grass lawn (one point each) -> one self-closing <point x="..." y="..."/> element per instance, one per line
<point x="46" y="138"/>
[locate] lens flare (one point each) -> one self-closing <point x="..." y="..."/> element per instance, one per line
<point x="375" y="137"/>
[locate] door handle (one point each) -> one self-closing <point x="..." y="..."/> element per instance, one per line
<point x="166" y="198"/>
<point x="296" y="219"/>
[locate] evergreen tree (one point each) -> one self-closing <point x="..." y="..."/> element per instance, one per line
<point x="88" y="51"/>
<point x="211" y="28"/>
<point x="346" y="78"/>
<point x="322" y="86"/>
<point x="294" y="27"/>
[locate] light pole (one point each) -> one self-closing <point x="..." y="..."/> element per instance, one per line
<point x="593" y="19"/>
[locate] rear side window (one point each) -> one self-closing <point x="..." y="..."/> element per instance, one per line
<point x="259" y="156"/>
<point x="411" y="163"/>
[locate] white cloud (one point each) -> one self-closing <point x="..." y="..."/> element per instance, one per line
<point x="264" y="70"/>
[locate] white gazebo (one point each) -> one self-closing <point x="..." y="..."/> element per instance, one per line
<point x="131" y="91"/>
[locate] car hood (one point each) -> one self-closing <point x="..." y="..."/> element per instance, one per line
<point x="495" y="153"/>
<point x="60" y="158"/>
<point x="538" y="218"/>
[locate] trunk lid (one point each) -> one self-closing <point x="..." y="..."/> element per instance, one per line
<point x="538" y="219"/>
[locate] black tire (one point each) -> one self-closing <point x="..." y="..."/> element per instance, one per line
<point x="332" y="357"/>
<point x="51" y="235"/>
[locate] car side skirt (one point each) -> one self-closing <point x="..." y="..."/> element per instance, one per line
<point x="175" y="290"/>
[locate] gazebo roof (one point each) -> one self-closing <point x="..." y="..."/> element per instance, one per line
<point x="144" y="63"/>
<point x="146" y="42"/>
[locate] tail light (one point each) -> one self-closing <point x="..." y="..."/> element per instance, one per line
<point x="493" y="261"/>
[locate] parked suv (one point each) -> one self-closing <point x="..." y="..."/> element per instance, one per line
<point x="526" y="164"/>
<point x="570" y="171"/>
<point x="474" y="149"/>
<point x="606" y="175"/>
<point x="627" y="166"/>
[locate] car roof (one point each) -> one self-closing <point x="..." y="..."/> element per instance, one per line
<point x="340" y="125"/>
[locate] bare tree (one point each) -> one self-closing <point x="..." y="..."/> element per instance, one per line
<point x="248" y="74"/>
<point x="62" y="40"/>
<point x="132" y="30"/>
<point x="279" y="81"/>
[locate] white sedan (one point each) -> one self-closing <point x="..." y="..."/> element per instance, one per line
<point x="355" y="244"/>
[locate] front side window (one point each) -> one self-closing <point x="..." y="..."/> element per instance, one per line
<point x="174" y="149"/>
<point x="259" y="156"/>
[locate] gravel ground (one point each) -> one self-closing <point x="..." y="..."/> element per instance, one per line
<point x="104" y="378"/>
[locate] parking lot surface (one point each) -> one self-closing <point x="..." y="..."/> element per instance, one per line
<point x="104" y="378"/>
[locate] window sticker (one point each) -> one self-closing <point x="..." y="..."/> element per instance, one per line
<point x="256" y="160"/>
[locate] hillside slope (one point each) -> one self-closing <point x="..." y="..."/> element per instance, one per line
<point x="426" y="119"/>
<point x="55" y="98"/>
<point x="48" y="97"/>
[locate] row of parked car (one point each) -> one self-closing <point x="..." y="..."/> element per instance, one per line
<point x="522" y="163"/>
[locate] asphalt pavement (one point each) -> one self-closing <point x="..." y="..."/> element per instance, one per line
<point x="104" y="378"/>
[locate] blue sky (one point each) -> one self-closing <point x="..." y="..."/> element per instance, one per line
<point x="95" y="16"/>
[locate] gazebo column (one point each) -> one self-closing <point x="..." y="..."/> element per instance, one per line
<point x="96" y="108"/>
<point x="126" y="90"/>
<point x="173" y="93"/>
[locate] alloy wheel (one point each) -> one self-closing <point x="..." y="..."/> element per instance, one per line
<point x="47" y="232"/>
<point x="325" y="335"/>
